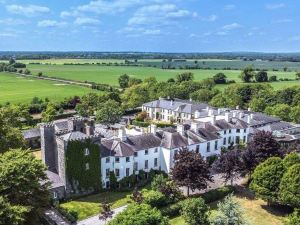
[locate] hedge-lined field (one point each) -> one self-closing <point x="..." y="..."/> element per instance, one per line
<point x="16" y="89"/>
<point x="110" y="74"/>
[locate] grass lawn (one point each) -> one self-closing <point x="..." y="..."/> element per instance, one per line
<point x="90" y="205"/>
<point x="110" y="74"/>
<point x="16" y="89"/>
<point x="256" y="211"/>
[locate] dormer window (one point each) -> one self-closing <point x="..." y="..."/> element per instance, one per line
<point x="86" y="152"/>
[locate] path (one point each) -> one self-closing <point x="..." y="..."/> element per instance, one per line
<point x="94" y="220"/>
<point x="54" y="217"/>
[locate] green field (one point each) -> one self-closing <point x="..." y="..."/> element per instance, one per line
<point x="16" y="89"/>
<point x="110" y="74"/>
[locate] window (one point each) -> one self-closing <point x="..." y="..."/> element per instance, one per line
<point x="135" y="166"/>
<point x="237" y="139"/>
<point x="244" y="139"/>
<point x="245" y="130"/>
<point x="197" y="148"/>
<point x="55" y="195"/>
<point x="224" y="141"/>
<point x="127" y="159"/>
<point x="86" y="152"/>
<point x="107" y="172"/>
<point x="208" y="147"/>
<point x="135" y="154"/>
<point x="117" y="172"/>
<point x="107" y="160"/>
<point x="225" y="131"/>
<point x="146" y="152"/>
<point x="229" y="131"/>
<point x="155" y="162"/>
<point x="238" y="130"/>
<point x="156" y="150"/>
<point x="87" y="166"/>
<point x="117" y="159"/>
<point x="146" y="164"/>
<point x="127" y="172"/>
<point x="216" y="145"/>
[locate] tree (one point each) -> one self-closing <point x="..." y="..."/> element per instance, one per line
<point x="290" y="187"/>
<point x="266" y="179"/>
<point x="187" y="76"/>
<point x="220" y="78"/>
<point x="228" y="164"/>
<point x="191" y="170"/>
<point x="247" y="74"/>
<point x="137" y="196"/>
<point x="248" y="162"/>
<point x="134" y="81"/>
<point x="298" y="75"/>
<point x="294" y="218"/>
<point x="261" y="76"/>
<point x="194" y="211"/>
<point x="106" y="212"/>
<point x="291" y="159"/>
<point x="272" y="78"/>
<point x="139" y="214"/>
<point x="142" y="116"/>
<point x="203" y="95"/>
<point x="295" y="114"/>
<point x="123" y="81"/>
<point x="264" y="146"/>
<point x="229" y="212"/>
<point x="40" y="74"/>
<point x="280" y="110"/>
<point x="135" y="96"/>
<point x="23" y="185"/>
<point x="109" y="112"/>
<point x="258" y="104"/>
<point x="49" y="114"/>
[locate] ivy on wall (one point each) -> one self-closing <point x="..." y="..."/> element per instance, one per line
<point x="76" y="161"/>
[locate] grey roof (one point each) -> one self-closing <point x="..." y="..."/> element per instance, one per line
<point x="116" y="148"/>
<point x="61" y="125"/>
<point x="54" y="179"/>
<point x="74" y="135"/>
<point x="173" y="140"/>
<point x="276" y="126"/>
<point x="178" y="105"/>
<point x="31" y="133"/>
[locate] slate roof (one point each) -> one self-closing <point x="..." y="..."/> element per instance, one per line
<point x="74" y="135"/>
<point x="54" y="179"/>
<point x="31" y="133"/>
<point x="173" y="140"/>
<point x="276" y="126"/>
<point x="178" y="105"/>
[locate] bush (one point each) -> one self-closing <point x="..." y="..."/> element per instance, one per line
<point x="140" y="124"/>
<point x="215" y="195"/>
<point x="154" y="198"/>
<point x="195" y="211"/>
<point x="171" y="210"/>
<point x="70" y="215"/>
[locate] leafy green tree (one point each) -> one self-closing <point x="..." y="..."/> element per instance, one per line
<point x="295" y="114"/>
<point x="298" y="75"/>
<point x="291" y="159"/>
<point x="258" y="104"/>
<point x="280" y="110"/>
<point x="187" y="76"/>
<point x="203" y="95"/>
<point x="123" y="81"/>
<point x="294" y="218"/>
<point x="134" y="81"/>
<point x="154" y="198"/>
<point x="135" y="96"/>
<point x="247" y="74"/>
<point x="109" y="112"/>
<point x="49" y="114"/>
<point x="158" y="181"/>
<point x="139" y="214"/>
<point x="195" y="211"/>
<point x="191" y="170"/>
<point x="220" y="78"/>
<point x="229" y="212"/>
<point x="261" y="76"/>
<point x="290" y="187"/>
<point x="23" y="185"/>
<point x="266" y="179"/>
<point x="272" y="78"/>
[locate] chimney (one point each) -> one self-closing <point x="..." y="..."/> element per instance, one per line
<point x="250" y="118"/>
<point x="197" y="114"/>
<point x="171" y="102"/>
<point x="153" y="128"/>
<point x="237" y="107"/>
<point x="207" y="108"/>
<point x="122" y="134"/>
<point x="191" y="99"/>
<point x="213" y="120"/>
<point x="249" y="109"/>
<point x="210" y="112"/>
<point x="234" y="114"/>
<point x="180" y="129"/>
<point x="227" y="117"/>
<point x="219" y="111"/>
<point x="194" y="126"/>
<point x="241" y="115"/>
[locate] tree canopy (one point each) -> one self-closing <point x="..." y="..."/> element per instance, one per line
<point x="109" y="112"/>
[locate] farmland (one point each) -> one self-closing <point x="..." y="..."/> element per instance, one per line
<point x="110" y="74"/>
<point x="16" y="89"/>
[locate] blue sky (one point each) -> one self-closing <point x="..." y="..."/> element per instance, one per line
<point x="150" y="25"/>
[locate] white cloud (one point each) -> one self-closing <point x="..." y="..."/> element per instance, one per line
<point x="159" y="15"/>
<point x="229" y="7"/>
<point x="283" y="21"/>
<point x="12" y="22"/>
<point x="138" y="31"/>
<point x="221" y="33"/>
<point x="28" y="10"/>
<point x="152" y="32"/>
<point x="51" y="23"/>
<point x="232" y="26"/>
<point x="275" y="6"/>
<point x="211" y="18"/>
<point x="86" y="21"/>
<point x="7" y="34"/>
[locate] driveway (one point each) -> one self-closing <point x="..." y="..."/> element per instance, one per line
<point x="94" y="220"/>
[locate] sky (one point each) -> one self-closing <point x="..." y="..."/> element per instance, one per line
<point x="150" y="25"/>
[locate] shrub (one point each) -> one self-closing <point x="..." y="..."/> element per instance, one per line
<point x="154" y="198"/>
<point x="171" y="210"/>
<point x="216" y="194"/>
<point x="140" y="124"/>
<point x="194" y="211"/>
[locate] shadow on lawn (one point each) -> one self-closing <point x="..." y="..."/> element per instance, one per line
<point x="105" y="197"/>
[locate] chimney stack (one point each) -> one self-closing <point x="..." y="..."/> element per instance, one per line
<point x="250" y="118"/>
<point x="153" y="128"/>
<point x="197" y="114"/>
<point x="122" y="134"/>
<point x="227" y="117"/>
<point x="180" y="129"/>
<point x="213" y="120"/>
<point x="210" y="112"/>
<point x="194" y="126"/>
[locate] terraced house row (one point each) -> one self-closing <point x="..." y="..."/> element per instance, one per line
<point x="77" y="148"/>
